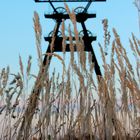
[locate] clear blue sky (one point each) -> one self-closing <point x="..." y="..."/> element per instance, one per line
<point x="17" y="34"/>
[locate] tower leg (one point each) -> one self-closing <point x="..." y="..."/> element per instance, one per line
<point x="96" y="66"/>
<point x="47" y="57"/>
<point x="88" y="44"/>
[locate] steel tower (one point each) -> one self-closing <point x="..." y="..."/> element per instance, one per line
<point x="82" y="15"/>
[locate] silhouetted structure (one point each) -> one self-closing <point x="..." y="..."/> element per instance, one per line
<point x="81" y="16"/>
<point x="69" y="0"/>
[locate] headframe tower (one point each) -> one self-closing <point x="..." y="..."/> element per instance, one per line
<point x="82" y="15"/>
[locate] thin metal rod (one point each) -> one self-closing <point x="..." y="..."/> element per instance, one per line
<point x="87" y="6"/>
<point x="68" y="0"/>
<point x="53" y="6"/>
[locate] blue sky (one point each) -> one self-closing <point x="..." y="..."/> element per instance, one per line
<point x="17" y="34"/>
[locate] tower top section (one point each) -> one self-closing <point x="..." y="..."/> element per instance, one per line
<point x="69" y="0"/>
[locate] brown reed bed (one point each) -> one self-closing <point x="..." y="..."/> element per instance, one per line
<point x="73" y="105"/>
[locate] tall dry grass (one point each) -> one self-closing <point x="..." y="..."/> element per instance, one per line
<point x="74" y="105"/>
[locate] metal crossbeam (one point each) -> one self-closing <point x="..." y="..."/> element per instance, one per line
<point x="68" y="0"/>
<point x="66" y="16"/>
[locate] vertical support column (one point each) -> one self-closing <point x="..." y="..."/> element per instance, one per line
<point x="48" y="58"/>
<point x="88" y="43"/>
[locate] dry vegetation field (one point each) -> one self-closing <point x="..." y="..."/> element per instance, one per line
<point x="74" y="105"/>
